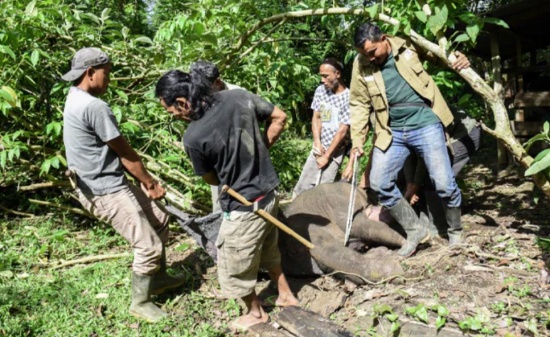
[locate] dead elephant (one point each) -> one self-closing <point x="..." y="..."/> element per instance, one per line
<point x="320" y="215"/>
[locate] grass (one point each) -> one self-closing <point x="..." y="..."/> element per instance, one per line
<point x="92" y="299"/>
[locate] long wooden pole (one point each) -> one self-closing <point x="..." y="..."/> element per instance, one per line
<point x="267" y="216"/>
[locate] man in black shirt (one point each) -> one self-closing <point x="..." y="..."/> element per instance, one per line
<point x="226" y="147"/>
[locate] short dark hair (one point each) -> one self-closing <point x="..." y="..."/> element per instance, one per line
<point x="332" y="61"/>
<point x="207" y="69"/>
<point x="366" y="32"/>
<point x="194" y="87"/>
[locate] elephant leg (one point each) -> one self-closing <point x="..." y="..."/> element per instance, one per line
<point x="331" y="253"/>
<point x="373" y="231"/>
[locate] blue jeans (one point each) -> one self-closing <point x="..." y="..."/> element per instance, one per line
<point x="429" y="144"/>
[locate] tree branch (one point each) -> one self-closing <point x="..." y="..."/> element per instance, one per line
<point x="11" y="211"/>
<point x="66" y="208"/>
<point x="502" y="130"/>
<point x="47" y="184"/>
<point x="312" y="39"/>
<point x="249" y="50"/>
<point x="286" y="16"/>
<point x="90" y="259"/>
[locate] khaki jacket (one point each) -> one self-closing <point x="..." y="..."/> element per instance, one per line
<point x="368" y="93"/>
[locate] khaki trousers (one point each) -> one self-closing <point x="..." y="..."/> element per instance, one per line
<point x="246" y="243"/>
<point x="140" y="220"/>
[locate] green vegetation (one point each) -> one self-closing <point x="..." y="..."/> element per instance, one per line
<point x="144" y="39"/>
<point x="88" y="299"/>
<point x="385" y="311"/>
<point x="278" y="61"/>
<point x="541" y="163"/>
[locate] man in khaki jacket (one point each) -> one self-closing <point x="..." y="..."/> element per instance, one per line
<point x="388" y="79"/>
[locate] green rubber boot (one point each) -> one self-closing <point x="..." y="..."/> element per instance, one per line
<point x="142" y="306"/>
<point x="452" y="214"/>
<point x="163" y="281"/>
<point x="405" y="215"/>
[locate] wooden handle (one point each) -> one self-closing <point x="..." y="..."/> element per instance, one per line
<point x="268" y="217"/>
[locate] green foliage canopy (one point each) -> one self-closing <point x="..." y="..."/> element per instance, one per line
<point x="145" y="38"/>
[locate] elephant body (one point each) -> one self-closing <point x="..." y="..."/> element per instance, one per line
<point x="320" y="216"/>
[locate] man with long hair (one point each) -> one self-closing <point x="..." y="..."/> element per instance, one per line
<point x="226" y="147"/>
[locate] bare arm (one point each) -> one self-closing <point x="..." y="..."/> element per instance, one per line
<point x="316" y="131"/>
<point x="133" y="164"/>
<point x="275" y="126"/>
<point x="323" y="160"/>
<point x="211" y="178"/>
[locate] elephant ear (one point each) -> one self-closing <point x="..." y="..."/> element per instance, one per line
<point x="326" y="199"/>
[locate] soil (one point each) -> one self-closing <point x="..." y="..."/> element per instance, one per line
<point x="496" y="283"/>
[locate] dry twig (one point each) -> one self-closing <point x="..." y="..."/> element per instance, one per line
<point x="91" y="259"/>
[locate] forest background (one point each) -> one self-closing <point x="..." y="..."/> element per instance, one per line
<point x="277" y="60"/>
<point x="146" y="38"/>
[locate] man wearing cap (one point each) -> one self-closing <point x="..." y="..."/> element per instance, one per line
<point x="329" y="125"/>
<point x="98" y="155"/>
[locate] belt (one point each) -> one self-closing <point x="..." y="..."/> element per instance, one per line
<point x="407" y="105"/>
<point x="258" y="203"/>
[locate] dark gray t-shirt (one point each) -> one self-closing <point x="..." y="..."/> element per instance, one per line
<point x="88" y="124"/>
<point x="228" y="141"/>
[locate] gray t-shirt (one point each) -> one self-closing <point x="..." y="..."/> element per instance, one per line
<point x="88" y="125"/>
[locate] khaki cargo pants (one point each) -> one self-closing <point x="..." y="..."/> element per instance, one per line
<point x="140" y="220"/>
<point x="246" y="243"/>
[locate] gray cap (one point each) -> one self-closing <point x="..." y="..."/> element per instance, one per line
<point x="82" y="60"/>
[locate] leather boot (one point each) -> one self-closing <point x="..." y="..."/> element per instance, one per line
<point x="405" y="215"/>
<point x="452" y="215"/>
<point x="142" y="306"/>
<point x="162" y="280"/>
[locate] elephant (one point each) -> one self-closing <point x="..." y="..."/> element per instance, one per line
<point x="320" y="216"/>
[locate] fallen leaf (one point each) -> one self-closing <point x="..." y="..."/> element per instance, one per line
<point x="503" y="263"/>
<point x="99" y="311"/>
<point x="500" y="288"/>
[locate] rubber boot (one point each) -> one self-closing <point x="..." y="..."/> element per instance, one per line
<point x="142" y="306"/>
<point x="452" y="215"/>
<point x="163" y="281"/>
<point x="425" y="221"/>
<point x="405" y="215"/>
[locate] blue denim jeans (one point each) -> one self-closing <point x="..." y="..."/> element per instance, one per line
<point x="429" y="144"/>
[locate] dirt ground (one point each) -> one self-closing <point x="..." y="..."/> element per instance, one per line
<point x="496" y="283"/>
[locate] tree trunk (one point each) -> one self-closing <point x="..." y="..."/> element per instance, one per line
<point x="502" y="130"/>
